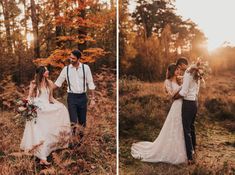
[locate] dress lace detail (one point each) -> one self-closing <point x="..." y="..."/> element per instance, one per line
<point x="169" y="146"/>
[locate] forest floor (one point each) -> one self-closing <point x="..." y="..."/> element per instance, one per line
<point x="97" y="153"/>
<point x="143" y="108"/>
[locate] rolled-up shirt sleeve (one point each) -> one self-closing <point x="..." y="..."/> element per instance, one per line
<point x="89" y="79"/>
<point x="61" y="78"/>
<point x="185" y="87"/>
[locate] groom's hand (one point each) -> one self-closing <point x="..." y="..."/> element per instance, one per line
<point x="177" y="96"/>
<point x="92" y="102"/>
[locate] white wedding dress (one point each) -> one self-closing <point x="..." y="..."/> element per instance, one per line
<point x="169" y="146"/>
<point x="52" y="119"/>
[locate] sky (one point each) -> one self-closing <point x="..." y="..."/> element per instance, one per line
<point x="214" y="17"/>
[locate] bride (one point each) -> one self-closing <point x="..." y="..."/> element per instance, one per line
<point x="52" y="118"/>
<point x="169" y="146"/>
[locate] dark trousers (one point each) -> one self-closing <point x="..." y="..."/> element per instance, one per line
<point x="189" y="111"/>
<point x="77" y="107"/>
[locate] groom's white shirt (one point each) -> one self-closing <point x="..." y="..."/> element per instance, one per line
<point x="190" y="87"/>
<point x="76" y="78"/>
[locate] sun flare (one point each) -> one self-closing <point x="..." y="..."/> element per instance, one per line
<point x="212" y="17"/>
<point x="211" y="46"/>
<point x="29" y="37"/>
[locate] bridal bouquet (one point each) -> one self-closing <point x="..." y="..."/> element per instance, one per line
<point x="200" y="69"/>
<point x="27" y="109"/>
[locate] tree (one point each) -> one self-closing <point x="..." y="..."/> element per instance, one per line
<point x="123" y="23"/>
<point x="24" y="21"/>
<point x="147" y="64"/>
<point x="153" y="16"/>
<point x="127" y="37"/>
<point x="35" y="21"/>
<point x="78" y="19"/>
<point x="105" y="34"/>
<point x="198" y="43"/>
<point x="58" y="30"/>
<point x="6" y="11"/>
<point x="163" y="34"/>
<point x="165" y="42"/>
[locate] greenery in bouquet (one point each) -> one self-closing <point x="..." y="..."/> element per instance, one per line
<point x="27" y="109"/>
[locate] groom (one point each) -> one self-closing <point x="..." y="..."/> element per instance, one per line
<point x="78" y="76"/>
<point x="189" y="93"/>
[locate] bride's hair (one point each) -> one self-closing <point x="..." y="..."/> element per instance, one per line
<point x="171" y="70"/>
<point x="38" y="79"/>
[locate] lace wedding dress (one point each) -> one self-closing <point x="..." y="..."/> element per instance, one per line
<point x="169" y="146"/>
<point x="52" y="119"/>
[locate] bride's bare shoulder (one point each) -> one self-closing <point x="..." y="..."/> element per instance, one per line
<point x="50" y="81"/>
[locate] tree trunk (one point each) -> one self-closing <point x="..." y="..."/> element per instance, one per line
<point x="82" y="30"/>
<point x="25" y="24"/>
<point x="5" y="9"/>
<point x="35" y="29"/>
<point x="112" y="4"/>
<point x="58" y="29"/>
<point x="13" y="37"/>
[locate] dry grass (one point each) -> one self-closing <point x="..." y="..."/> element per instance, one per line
<point x="143" y="109"/>
<point x="95" y="155"/>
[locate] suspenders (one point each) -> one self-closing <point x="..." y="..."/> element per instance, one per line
<point x="84" y="78"/>
<point x="68" y="78"/>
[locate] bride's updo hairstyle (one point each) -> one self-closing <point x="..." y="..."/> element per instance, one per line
<point x="171" y="71"/>
<point x="38" y="79"/>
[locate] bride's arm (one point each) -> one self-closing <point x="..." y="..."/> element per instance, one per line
<point x="32" y="87"/>
<point x="169" y="89"/>
<point x="51" y="87"/>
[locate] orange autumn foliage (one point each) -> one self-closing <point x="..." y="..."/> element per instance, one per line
<point x="78" y="21"/>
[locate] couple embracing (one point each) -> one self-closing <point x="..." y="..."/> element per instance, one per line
<point x="53" y="118"/>
<point x="176" y="142"/>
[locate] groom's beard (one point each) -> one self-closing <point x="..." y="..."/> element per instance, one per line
<point x="73" y="62"/>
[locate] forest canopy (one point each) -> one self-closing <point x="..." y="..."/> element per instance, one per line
<point x="154" y="35"/>
<point x="45" y="32"/>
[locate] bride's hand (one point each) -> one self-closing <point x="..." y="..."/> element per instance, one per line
<point x="51" y="101"/>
